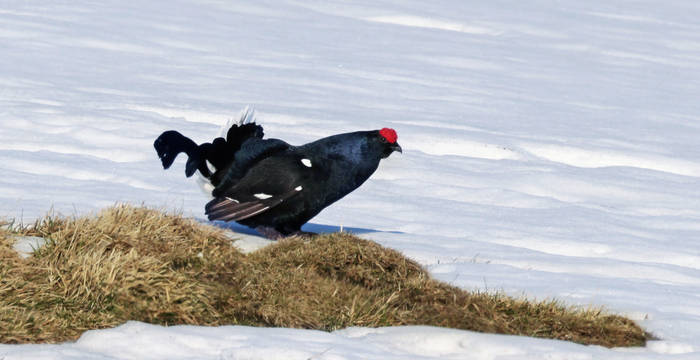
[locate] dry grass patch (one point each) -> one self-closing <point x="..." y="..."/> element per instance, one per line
<point x="130" y="263"/>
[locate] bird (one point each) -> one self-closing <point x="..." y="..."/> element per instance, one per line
<point x="270" y="185"/>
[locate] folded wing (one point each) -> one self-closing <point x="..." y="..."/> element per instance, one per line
<point x="229" y="209"/>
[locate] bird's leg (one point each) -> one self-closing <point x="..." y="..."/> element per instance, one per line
<point x="269" y="232"/>
<point x="273" y="234"/>
<point x="304" y="234"/>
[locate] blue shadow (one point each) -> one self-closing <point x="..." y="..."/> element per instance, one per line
<point x="310" y="227"/>
<point x="323" y="229"/>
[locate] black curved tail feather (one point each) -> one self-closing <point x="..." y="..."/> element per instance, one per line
<point x="238" y="134"/>
<point x="171" y="143"/>
<point x="220" y="153"/>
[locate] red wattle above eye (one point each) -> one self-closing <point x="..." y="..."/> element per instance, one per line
<point x="388" y="134"/>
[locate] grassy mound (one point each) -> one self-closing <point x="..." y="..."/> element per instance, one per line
<point x="130" y="263"/>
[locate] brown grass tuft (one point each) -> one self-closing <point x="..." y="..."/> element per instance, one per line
<point x="131" y="263"/>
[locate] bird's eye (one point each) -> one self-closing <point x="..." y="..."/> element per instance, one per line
<point x="384" y="140"/>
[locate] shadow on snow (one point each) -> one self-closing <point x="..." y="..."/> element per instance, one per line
<point x="310" y="227"/>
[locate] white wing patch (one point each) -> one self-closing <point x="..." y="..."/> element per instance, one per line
<point x="234" y="200"/>
<point x="262" y="196"/>
<point x="299" y="188"/>
<point x="306" y="162"/>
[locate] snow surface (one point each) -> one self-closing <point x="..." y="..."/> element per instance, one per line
<point x="550" y="148"/>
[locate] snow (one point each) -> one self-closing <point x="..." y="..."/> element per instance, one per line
<point x="26" y="245"/>
<point x="135" y="340"/>
<point x="549" y="148"/>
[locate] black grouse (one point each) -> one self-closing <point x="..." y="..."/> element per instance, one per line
<point x="273" y="186"/>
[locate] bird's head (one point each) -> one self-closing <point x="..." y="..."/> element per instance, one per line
<point x="387" y="137"/>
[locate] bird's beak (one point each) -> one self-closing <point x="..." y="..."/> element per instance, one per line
<point x="396" y="147"/>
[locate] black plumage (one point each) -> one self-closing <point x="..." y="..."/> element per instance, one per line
<point x="272" y="186"/>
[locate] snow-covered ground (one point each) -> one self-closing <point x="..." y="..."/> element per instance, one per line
<point x="550" y="148"/>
